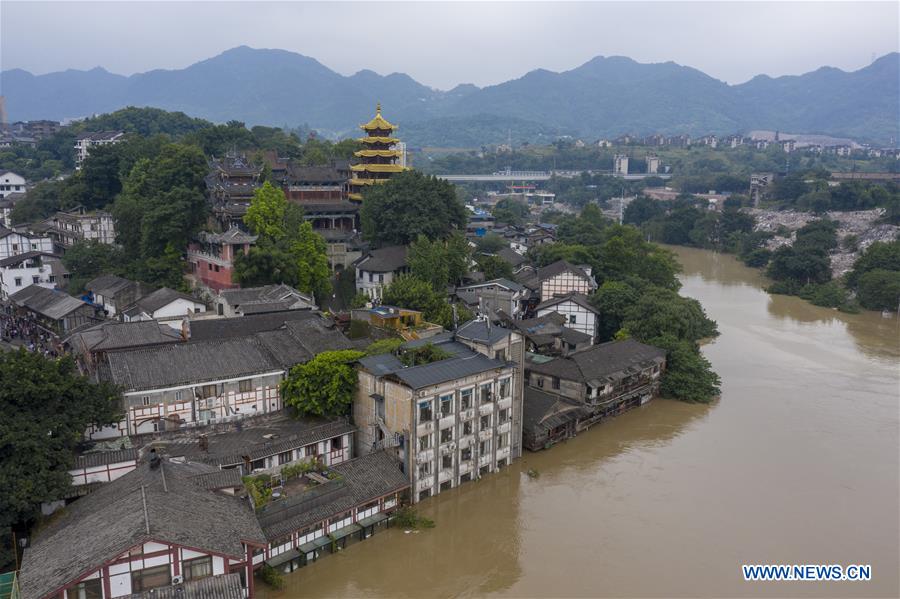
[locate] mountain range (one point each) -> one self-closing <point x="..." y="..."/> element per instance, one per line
<point x="604" y="97"/>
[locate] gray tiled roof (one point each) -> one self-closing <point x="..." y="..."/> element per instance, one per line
<point x="19" y="258"/>
<point x="558" y="267"/>
<point x="511" y="256"/>
<point x="267" y="294"/>
<point x="547" y="411"/>
<point x="224" y="586"/>
<point x="512" y="286"/>
<point x="159" y="299"/>
<point x="387" y="259"/>
<point x="480" y="331"/>
<point x="258" y="437"/>
<point x="102" y="458"/>
<point x="362" y="480"/>
<point x="107" y="284"/>
<point x="577" y="298"/>
<point x="220" y="328"/>
<point x="46" y="302"/>
<point x="145" y="504"/>
<point x="381" y="364"/>
<point x="120" y="335"/>
<point x="600" y="361"/>
<point x="192" y="362"/>
<point x="450" y="369"/>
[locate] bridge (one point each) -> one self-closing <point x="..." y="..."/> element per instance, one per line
<point x="509" y="175"/>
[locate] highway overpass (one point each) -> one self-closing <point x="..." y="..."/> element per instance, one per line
<point x="509" y="176"/>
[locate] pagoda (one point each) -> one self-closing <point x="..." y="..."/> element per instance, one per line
<point x="378" y="159"/>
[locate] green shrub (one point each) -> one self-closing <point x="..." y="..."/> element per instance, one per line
<point x="408" y="518"/>
<point x="271" y="576"/>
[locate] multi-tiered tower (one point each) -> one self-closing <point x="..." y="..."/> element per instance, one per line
<point x="378" y="159"/>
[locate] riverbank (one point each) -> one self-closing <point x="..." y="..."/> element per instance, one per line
<point x="797" y="463"/>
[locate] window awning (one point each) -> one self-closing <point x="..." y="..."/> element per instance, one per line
<point x="313" y="545"/>
<point x="373" y="519"/>
<point x="346" y="531"/>
<point x="283" y="558"/>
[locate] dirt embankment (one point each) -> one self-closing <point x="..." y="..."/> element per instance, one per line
<point x="861" y="224"/>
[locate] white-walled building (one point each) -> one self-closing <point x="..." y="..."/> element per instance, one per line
<point x="10" y="182"/>
<point x="68" y="228"/>
<point x="449" y="421"/>
<point x="377" y="268"/>
<point x="580" y="315"/>
<point x="86" y="141"/>
<point x="164" y="305"/>
<point x="24" y="270"/>
<point x="562" y="278"/>
<point x="14" y="243"/>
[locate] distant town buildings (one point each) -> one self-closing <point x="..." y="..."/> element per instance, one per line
<point x="68" y="228"/>
<point x="85" y="141"/>
<point x="620" y="166"/>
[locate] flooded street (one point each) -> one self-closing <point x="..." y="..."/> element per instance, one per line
<point x="798" y="463"/>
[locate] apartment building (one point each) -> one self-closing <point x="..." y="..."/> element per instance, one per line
<point x="449" y="421"/>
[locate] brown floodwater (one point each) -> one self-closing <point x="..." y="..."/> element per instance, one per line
<point x="796" y="464"/>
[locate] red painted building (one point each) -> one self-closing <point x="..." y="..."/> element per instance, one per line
<point x="212" y="257"/>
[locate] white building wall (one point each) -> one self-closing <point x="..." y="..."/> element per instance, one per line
<point x="563" y="284"/>
<point x="15" y="244"/>
<point x="11" y="183"/>
<point x="372" y="284"/>
<point x="577" y="317"/>
<point x="13" y="280"/>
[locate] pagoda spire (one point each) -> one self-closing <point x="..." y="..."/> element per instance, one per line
<point x="379" y="158"/>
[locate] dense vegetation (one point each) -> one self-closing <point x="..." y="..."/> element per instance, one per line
<point x="324" y="386"/>
<point x="287" y="249"/>
<point x="638" y="297"/>
<point x="46" y="405"/>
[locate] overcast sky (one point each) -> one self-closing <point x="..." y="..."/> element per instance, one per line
<point x="443" y="44"/>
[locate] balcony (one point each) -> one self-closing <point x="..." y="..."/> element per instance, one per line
<point x="484" y="460"/>
<point x="486" y="409"/>
<point x="503" y="452"/>
<point x="485" y="435"/>
<point x="505" y="403"/>
<point x="425" y="428"/>
<point x="424" y="484"/>
<point x="467" y="414"/>
<point x="447" y="448"/>
<point x="423" y="457"/>
<point x="466" y="441"/>
<point x="465" y="467"/>
<point x="445" y="475"/>
<point x="504" y="428"/>
<point x="447" y="421"/>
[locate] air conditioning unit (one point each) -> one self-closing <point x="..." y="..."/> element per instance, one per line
<point x="177" y="579"/>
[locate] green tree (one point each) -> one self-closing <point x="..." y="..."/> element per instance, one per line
<point x="425" y="354"/>
<point x="661" y="312"/>
<point x="410" y="292"/>
<point x="613" y="299"/>
<point x="88" y="259"/>
<point x="510" y="211"/>
<point x="324" y="386"/>
<point x="384" y="346"/>
<point x="47" y="406"/>
<point x="491" y="243"/>
<point x="265" y="216"/>
<point x="309" y="250"/>
<point x="689" y="375"/>
<point x="427" y="261"/>
<point x="408" y="205"/>
<point x="266" y="263"/>
<point x="642" y="209"/>
<point x="879" y="255"/>
<point x="494" y="267"/>
<point x="879" y="289"/>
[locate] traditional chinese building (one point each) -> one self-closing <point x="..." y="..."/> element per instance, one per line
<point x="380" y="158"/>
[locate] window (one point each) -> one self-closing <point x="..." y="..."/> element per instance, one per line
<point x="500" y="354"/>
<point x="484" y="448"/>
<point x="424" y="494"/>
<point x="573" y="319"/>
<point x="179" y="395"/>
<point x="465" y="399"/>
<point x="208" y="391"/>
<point x="89" y="589"/>
<point x="504" y="388"/>
<point x="485" y="422"/>
<point x="381" y="278"/>
<point x="467" y="428"/>
<point x="504" y="415"/>
<point x="337" y="443"/>
<point x="245" y="386"/>
<point x="145" y="400"/>
<point x="425" y="470"/>
<point x="209" y="266"/>
<point x="370" y="277"/>
<point x="359" y="275"/>
<point x="540" y="382"/>
<point x="446" y="405"/>
<point x="503" y="440"/>
<point x="217" y="268"/>
<point x="555" y="382"/>
<point x="486" y="393"/>
<point x="18" y="281"/>
<point x="446" y="435"/>
<point x="35" y="279"/>
<point x="466" y="454"/>
<point x="310" y="450"/>
<point x="284" y="458"/>
<point x="424" y="442"/>
<point x="52" y="278"/>
<point x="425" y="412"/>
<point x="15" y="247"/>
<point x="447" y="462"/>
<point x="150" y="578"/>
<point x="195" y="569"/>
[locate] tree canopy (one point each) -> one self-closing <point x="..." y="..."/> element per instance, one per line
<point x="47" y="406"/>
<point x="408" y="205"/>
<point x="324" y="386"/>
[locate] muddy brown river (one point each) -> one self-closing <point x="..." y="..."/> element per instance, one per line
<point x="796" y="464"/>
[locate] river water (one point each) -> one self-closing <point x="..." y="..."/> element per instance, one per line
<point x="797" y="463"/>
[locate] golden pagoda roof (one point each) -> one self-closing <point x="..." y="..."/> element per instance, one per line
<point x="378" y="153"/>
<point x="377" y="168"/>
<point x="355" y="196"/>
<point x="375" y="139"/>
<point x="378" y="122"/>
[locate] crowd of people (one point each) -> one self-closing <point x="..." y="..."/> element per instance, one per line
<point x="25" y="331"/>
